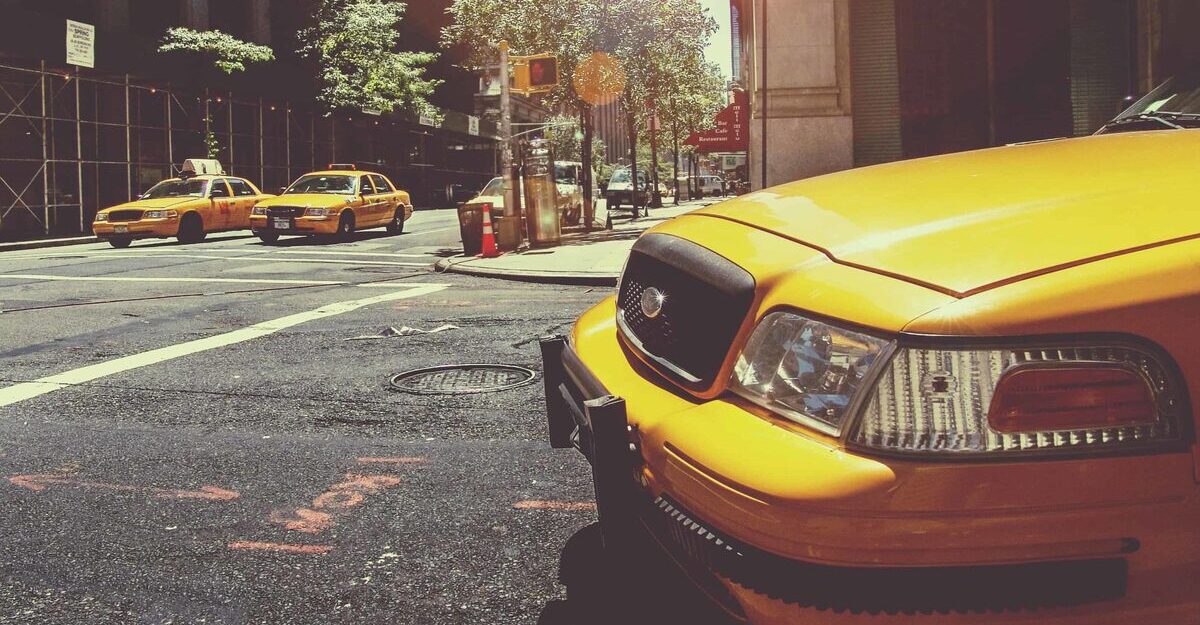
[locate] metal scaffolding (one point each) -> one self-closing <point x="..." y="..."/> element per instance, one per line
<point x="72" y="143"/>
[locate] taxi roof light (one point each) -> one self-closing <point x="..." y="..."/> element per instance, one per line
<point x="342" y="167"/>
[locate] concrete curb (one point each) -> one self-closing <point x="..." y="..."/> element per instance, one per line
<point x="458" y="265"/>
<point x="33" y="245"/>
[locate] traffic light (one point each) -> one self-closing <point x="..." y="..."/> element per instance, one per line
<point x="535" y="74"/>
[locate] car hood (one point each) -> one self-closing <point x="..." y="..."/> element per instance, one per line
<point x="497" y="201"/>
<point x="964" y="223"/>
<point x="310" y="200"/>
<point x="154" y="204"/>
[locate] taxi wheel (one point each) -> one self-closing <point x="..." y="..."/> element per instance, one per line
<point x="191" y="229"/>
<point x="268" y="237"/>
<point x="396" y="225"/>
<point x="345" y="229"/>
<point x="120" y="243"/>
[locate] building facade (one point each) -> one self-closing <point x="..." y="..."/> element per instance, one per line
<point x="844" y="83"/>
<point x="76" y="139"/>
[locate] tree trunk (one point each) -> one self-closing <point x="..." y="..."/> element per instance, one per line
<point x="655" y="198"/>
<point x="633" y="165"/>
<point x="675" y="164"/>
<point x="589" y="206"/>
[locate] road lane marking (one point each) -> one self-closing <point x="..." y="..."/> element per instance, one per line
<point x="39" y="483"/>
<point x="333" y="252"/>
<point x="28" y="390"/>
<point x="534" y="504"/>
<point x="38" y="276"/>
<point x="244" y="545"/>
<point x="261" y="257"/>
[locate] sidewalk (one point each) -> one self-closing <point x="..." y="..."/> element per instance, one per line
<point x="583" y="258"/>
<point x="40" y="243"/>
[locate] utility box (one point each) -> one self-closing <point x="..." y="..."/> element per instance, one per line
<point x="541" y="195"/>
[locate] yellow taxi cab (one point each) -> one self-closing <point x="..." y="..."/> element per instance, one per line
<point x="338" y="201"/>
<point x="948" y="390"/>
<point x="188" y="207"/>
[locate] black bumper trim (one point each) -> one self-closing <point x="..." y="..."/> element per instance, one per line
<point x="891" y="590"/>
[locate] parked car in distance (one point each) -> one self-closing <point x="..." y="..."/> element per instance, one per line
<point x="336" y="202"/>
<point x="620" y="190"/>
<point x="709" y="186"/>
<point x="958" y="389"/>
<point x="187" y="207"/>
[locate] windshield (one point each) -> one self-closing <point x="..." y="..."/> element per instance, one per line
<point x="337" y="185"/>
<point x="566" y="174"/>
<point x="176" y="188"/>
<point x="1175" y="103"/>
<point x="495" y="187"/>
<point x="622" y="175"/>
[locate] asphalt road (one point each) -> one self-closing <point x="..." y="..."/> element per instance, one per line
<point x="186" y="436"/>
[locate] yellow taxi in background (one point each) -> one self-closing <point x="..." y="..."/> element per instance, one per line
<point x="187" y="207"/>
<point x="338" y="201"/>
<point x="948" y="390"/>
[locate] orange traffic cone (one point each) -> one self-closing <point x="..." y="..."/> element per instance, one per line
<point x="488" y="247"/>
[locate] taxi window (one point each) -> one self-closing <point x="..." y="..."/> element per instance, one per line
<point x="381" y="184"/>
<point x="240" y="187"/>
<point x="177" y="188"/>
<point x="365" y="187"/>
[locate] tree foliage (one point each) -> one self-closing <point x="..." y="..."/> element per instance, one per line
<point x="353" y="43"/>
<point x="226" y="52"/>
<point x="566" y="140"/>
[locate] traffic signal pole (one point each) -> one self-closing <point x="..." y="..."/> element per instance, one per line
<point x="510" y="189"/>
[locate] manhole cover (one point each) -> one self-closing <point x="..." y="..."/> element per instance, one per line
<point x="462" y="379"/>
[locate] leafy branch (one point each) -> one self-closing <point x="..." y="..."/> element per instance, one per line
<point x="226" y="52"/>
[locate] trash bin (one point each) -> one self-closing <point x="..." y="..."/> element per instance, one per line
<point x="470" y="228"/>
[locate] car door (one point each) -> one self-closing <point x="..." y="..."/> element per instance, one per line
<point x="385" y="195"/>
<point x="218" y="214"/>
<point x="244" y="199"/>
<point x="366" y="212"/>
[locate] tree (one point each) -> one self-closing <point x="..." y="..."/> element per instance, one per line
<point x="646" y="38"/>
<point x="353" y="43"/>
<point x="225" y="52"/>
<point x="566" y="140"/>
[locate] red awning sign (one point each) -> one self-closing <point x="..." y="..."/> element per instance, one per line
<point x="731" y="129"/>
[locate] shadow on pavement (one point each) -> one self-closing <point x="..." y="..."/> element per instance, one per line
<point x="321" y="241"/>
<point x="600" y="590"/>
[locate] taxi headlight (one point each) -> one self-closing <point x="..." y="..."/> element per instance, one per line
<point x="259" y="210"/>
<point x="101" y="217"/>
<point x="318" y="212"/>
<point x="806" y="370"/>
<point x="159" y="214"/>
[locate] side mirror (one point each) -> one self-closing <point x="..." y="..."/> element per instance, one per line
<point x="282" y="190"/>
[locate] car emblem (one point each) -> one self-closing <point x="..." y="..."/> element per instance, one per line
<point x="652" y="302"/>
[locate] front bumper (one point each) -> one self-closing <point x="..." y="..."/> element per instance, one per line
<point x="763" y="586"/>
<point x="296" y="225"/>
<point x="143" y="229"/>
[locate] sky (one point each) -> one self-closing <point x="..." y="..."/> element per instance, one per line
<point x="720" y="48"/>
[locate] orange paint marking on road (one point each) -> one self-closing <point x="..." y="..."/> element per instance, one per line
<point x="39" y="483"/>
<point x="244" y="545"/>
<point x="344" y="495"/>
<point x="304" y="520"/>
<point x="533" y="504"/>
<point x="390" y="460"/>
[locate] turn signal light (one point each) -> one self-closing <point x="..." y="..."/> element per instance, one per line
<point x="1040" y="399"/>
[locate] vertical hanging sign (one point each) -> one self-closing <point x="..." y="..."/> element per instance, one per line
<point x="473" y="125"/>
<point x="81" y="44"/>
